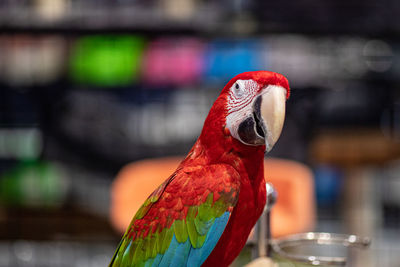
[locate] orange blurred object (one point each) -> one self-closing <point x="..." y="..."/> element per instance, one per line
<point x="294" y="211"/>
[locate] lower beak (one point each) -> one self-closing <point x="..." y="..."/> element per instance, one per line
<point x="272" y="111"/>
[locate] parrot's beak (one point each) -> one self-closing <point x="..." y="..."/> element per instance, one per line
<point x="264" y="120"/>
<point x="272" y="110"/>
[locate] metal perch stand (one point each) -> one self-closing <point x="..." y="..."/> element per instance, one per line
<point x="265" y="246"/>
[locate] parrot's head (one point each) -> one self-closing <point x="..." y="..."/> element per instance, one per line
<point x="255" y="107"/>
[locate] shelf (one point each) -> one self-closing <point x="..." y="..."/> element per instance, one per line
<point x="106" y="20"/>
<point x="205" y="19"/>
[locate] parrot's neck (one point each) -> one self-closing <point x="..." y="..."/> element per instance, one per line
<point x="218" y="146"/>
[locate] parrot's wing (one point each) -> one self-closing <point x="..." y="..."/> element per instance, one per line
<point x="182" y="220"/>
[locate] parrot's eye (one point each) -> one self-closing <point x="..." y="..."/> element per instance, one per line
<point x="238" y="89"/>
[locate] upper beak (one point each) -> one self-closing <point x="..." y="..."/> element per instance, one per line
<point x="271" y="111"/>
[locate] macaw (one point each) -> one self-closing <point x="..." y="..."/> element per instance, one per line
<point x="203" y="213"/>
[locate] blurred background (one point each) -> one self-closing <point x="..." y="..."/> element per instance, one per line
<point x="88" y="86"/>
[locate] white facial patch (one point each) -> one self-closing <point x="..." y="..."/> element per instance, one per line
<point x="240" y="107"/>
<point x="241" y="94"/>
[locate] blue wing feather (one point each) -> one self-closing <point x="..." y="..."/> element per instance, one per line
<point x="157" y="260"/>
<point x="198" y="255"/>
<point x="169" y="254"/>
<point x="181" y="253"/>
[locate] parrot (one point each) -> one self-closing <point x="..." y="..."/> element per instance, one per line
<point x="203" y="213"/>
